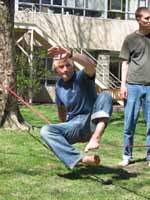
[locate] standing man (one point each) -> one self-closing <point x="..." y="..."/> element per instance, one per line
<point x="83" y="114"/>
<point x="135" y="86"/>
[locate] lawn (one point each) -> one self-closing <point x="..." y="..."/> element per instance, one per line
<point x="30" y="171"/>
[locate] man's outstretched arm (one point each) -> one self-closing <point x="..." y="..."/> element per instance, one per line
<point x="88" y="64"/>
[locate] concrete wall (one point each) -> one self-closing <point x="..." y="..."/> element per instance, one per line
<point x="80" y="32"/>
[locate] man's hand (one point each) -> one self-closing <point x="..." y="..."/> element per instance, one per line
<point x="93" y="144"/>
<point x="123" y="92"/>
<point x="59" y="52"/>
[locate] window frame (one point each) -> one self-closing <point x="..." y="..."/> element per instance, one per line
<point x="117" y="10"/>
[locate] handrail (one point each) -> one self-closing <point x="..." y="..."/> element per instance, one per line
<point x="110" y="80"/>
<point x="37" y="7"/>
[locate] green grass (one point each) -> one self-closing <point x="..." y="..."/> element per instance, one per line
<point x="29" y="171"/>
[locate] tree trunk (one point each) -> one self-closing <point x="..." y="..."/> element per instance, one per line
<point x="10" y="116"/>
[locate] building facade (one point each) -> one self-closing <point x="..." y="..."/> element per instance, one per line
<point x="96" y="26"/>
<point x="122" y="9"/>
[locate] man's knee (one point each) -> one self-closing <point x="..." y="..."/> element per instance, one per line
<point x="104" y="103"/>
<point x="50" y="131"/>
<point x="105" y="97"/>
<point x="44" y="131"/>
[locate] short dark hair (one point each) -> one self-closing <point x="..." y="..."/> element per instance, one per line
<point x="139" y="11"/>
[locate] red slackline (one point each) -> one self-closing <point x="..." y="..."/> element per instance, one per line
<point x="48" y="122"/>
<point x="27" y="104"/>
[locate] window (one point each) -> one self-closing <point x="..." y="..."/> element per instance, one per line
<point x="142" y="3"/>
<point x="28" y="5"/>
<point x="27" y="1"/>
<point x="133" y="5"/>
<point x="93" y="13"/>
<point x="46" y="1"/>
<point x="116" y="5"/>
<point x="69" y="11"/>
<point x="79" y="3"/>
<point x="55" y="10"/>
<point x="115" y="68"/>
<point x="95" y="4"/>
<point x="69" y="3"/>
<point x="116" y="9"/>
<point x="57" y="2"/>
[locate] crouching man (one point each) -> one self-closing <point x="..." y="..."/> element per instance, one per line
<point x="83" y="113"/>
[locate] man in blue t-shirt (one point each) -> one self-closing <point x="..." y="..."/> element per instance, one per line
<point x="83" y="114"/>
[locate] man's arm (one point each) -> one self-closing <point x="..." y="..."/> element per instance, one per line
<point x="64" y="53"/>
<point x="61" y="113"/>
<point x="124" y="73"/>
<point x="88" y="64"/>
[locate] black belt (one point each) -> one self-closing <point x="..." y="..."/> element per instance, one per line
<point x="145" y="84"/>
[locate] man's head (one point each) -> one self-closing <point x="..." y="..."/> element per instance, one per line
<point x="64" y="68"/>
<point x="142" y="15"/>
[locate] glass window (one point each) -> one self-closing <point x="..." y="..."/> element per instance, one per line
<point x="93" y="13"/>
<point x="95" y="4"/>
<point x="57" y="2"/>
<point x="78" y="12"/>
<point x="132" y="6"/>
<point x="27" y="1"/>
<point x="69" y="11"/>
<point x="79" y="3"/>
<point x="116" y="8"/>
<point x="142" y="3"/>
<point x="115" y="5"/>
<point x="46" y="1"/>
<point x="55" y="10"/>
<point x="29" y="5"/>
<point x="115" y="65"/>
<point x="69" y="3"/>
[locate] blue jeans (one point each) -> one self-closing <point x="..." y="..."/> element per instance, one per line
<point x="138" y="96"/>
<point x="60" y="137"/>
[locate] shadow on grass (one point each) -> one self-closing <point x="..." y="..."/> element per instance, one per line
<point x="138" y="160"/>
<point x="94" y="172"/>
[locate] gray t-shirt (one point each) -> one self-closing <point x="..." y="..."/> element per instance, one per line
<point x="136" y="50"/>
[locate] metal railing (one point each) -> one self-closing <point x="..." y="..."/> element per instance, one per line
<point x="104" y="75"/>
<point x="82" y="11"/>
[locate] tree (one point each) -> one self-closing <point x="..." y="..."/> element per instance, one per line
<point x="25" y="85"/>
<point x="10" y="116"/>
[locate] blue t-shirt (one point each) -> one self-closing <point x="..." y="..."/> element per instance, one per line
<point x="77" y="95"/>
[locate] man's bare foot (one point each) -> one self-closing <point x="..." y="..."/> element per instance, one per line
<point x="124" y="163"/>
<point x="93" y="144"/>
<point x="93" y="160"/>
<point x="148" y="163"/>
